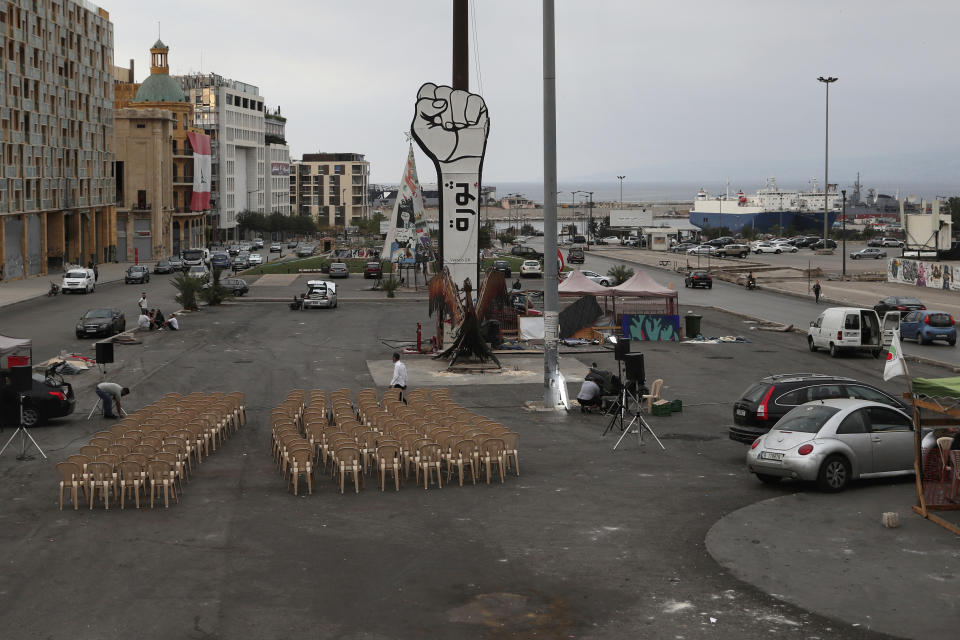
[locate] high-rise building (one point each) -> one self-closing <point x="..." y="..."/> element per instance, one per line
<point x="331" y="187"/>
<point x="154" y="164"/>
<point x="277" y="196"/>
<point x="232" y="114"/>
<point x="56" y="136"/>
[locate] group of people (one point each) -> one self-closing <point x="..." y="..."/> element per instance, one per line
<point x="153" y="318"/>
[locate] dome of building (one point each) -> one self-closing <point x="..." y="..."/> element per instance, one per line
<point x="160" y="88"/>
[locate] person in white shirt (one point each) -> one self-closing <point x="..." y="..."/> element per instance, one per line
<point x="142" y="303"/>
<point x="399" y="379"/>
<point x="589" y="395"/>
<point x="143" y="322"/>
<point x="172" y="323"/>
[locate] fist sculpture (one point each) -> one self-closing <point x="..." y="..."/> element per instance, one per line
<point x="451" y="127"/>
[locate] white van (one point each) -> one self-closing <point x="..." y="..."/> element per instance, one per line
<point x="78" y="279"/>
<point x="846" y="329"/>
<point x="195" y="257"/>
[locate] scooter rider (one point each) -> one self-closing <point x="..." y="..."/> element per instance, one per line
<point x="751" y="281"/>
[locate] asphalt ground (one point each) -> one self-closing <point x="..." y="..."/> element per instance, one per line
<point x="587" y="542"/>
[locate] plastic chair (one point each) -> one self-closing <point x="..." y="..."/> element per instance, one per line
<point x="69" y="474"/>
<point x="654" y="394"/>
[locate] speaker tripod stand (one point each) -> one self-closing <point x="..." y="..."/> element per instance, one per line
<point x="24" y="435"/>
<point x="630" y="404"/>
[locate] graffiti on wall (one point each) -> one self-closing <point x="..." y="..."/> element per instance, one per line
<point x="934" y="275"/>
<point x="657" y="328"/>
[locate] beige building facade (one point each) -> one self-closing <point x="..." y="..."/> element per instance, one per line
<point x="332" y="188"/>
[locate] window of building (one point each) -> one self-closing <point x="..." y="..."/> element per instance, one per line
<point x="140" y="125"/>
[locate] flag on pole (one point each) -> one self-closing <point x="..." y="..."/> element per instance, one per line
<point x="894" y="366"/>
<point x="200" y="200"/>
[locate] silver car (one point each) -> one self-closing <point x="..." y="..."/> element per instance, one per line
<point x="321" y="295"/>
<point x="833" y="442"/>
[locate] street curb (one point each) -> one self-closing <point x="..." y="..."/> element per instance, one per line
<point x="44" y="295"/>
<point x="383" y="299"/>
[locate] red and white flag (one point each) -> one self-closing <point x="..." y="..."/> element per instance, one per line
<point x="894" y="366"/>
<point x="200" y="200"/>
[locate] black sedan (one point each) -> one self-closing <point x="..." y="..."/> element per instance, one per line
<point x="163" y="266"/>
<point x="831" y="244"/>
<point x="101" y="322"/>
<point x="503" y="266"/>
<point x="898" y="303"/>
<point x="137" y="273"/>
<point x="700" y="278"/>
<point x="869" y="252"/>
<point x="47" y="399"/>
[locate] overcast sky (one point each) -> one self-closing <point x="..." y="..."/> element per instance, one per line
<point x="685" y="90"/>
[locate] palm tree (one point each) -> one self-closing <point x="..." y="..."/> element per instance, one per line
<point x="619" y="274"/>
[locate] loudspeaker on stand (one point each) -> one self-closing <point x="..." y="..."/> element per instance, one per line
<point x="21" y="377"/>
<point x="104" y="353"/>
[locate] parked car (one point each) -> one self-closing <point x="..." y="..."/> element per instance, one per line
<point x="220" y="260"/>
<point x="339" y="270"/>
<point x="531" y="268"/>
<point x="898" y="303"/>
<point x="596" y="277"/>
<point x="575" y="255"/>
<point x="926" y="326"/>
<point x="276" y="247"/>
<point x="731" y="250"/>
<point x="258" y="243"/>
<point x="305" y="251"/>
<point x="786" y="247"/>
<point x="682" y="247"/>
<point x="721" y="241"/>
<point x="372" y="269"/>
<point x="321" y="294"/>
<point x="833" y="442"/>
<point x="176" y="262"/>
<point x="766" y="247"/>
<point x="163" y="266"/>
<point x="763" y="403"/>
<point x="703" y="249"/>
<point x="197" y="271"/>
<point x="698" y="278"/>
<point x="234" y="250"/>
<point x="831" y="244"/>
<point x="869" y="252"/>
<point x="47" y="398"/>
<point x="77" y="279"/>
<point x="503" y="266"/>
<point x="528" y="253"/>
<point x="891" y="242"/>
<point x="609" y="240"/>
<point x="242" y="261"/>
<point x="246" y="246"/>
<point x="236" y="286"/>
<point x="137" y="273"/>
<point x="101" y="323"/>
<point x="292" y="244"/>
<point x="255" y="258"/>
<point x="846" y="329"/>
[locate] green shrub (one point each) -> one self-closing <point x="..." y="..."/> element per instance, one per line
<point x="620" y="274"/>
<point x="390" y="284"/>
<point x="187" y="289"/>
<point x="213" y="294"/>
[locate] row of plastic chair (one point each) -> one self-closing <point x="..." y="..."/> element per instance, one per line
<point x="152" y="449"/>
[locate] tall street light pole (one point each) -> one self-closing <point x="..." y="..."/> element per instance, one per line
<point x="843" y="192"/>
<point x="620" y="178"/>
<point x="590" y="219"/>
<point x="551" y="301"/>
<point x="826" y="160"/>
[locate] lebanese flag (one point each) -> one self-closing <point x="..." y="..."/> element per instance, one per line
<point x="200" y="200"/>
<point x="894" y="365"/>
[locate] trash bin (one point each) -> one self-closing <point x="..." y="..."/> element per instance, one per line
<point x="692" y="326"/>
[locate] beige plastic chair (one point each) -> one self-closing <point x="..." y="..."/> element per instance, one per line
<point x="301" y="465"/>
<point x="131" y="477"/>
<point x="101" y="477"/>
<point x="388" y="461"/>
<point x="654" y="394"/>
<point x="69" y="475"/>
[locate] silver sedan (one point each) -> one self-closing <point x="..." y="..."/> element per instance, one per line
<point x="833" y="442"/>
<point x="703" y="249"/>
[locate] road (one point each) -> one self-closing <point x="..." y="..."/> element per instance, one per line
<point x="758" y="303"/>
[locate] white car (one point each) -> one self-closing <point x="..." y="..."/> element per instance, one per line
<point x="786" y="246"/>
<point x="703" y="249"/>
<point x="322" y="294"/>
<point x="766" y="247"/>
<point x="531" y="268"/>
<point x="197" y="271"/>
<point x="78" y="279"/>
<point x="611" y="239"/>
<point x="255" y="258"/>
<point x="596" y="277"/>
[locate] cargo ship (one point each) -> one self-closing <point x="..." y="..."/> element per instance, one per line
<point x="771" y="207"/>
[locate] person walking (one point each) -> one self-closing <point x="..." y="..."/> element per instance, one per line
<point x="399" y="379"/>
<point x="110" y="393"/>
<point x="816" y="291"/>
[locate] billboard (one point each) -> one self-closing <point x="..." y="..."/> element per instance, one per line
<point x="631" y="218"/>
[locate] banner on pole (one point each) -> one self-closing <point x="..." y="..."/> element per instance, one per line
<point x="200" y="200"/>
<point x="407" y="233"/>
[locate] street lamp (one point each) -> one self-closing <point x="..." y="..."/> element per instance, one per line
<point x="620" y="178"/>
<point x="843" y="192"/>
<point x="826" y="158"/>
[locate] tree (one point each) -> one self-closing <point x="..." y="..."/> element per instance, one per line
<point x="252" y="221"/>
<point x="371" y="225"/>
<point x="620" y="274"/>
<point x="506" y="237"/>
<point x="485" y="236"/>
<point x="527" y="229"/>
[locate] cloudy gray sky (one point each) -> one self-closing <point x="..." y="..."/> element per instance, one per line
<point x="692" y="90"/>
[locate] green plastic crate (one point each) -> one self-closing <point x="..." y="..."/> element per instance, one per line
<point x="661" y="410"/>
<point x="676" y="406"/>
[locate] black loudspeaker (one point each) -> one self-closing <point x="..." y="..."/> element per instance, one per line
<point x="621" y="349"/>
<point x="633" y="363"/>
<point x="104" y="352"/>
<point x="21" y="378"/>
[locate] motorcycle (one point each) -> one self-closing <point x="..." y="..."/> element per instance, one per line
<point x="54" y="289"/>
<point x="752" y="283"/>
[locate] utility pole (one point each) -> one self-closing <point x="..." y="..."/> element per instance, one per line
<point x="826" y="162"/>
<point x="551" y="300"/>
<point x="461" y="46"/>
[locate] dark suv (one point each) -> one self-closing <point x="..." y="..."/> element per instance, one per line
<point x="768" y="400"/>
<point x="503" y="266"/>
<point x="696" y="279"/>
<point x="575" y="255"/>
<point x="527" y="253"/>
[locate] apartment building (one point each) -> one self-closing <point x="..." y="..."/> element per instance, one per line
<point x="56" y="136"/>
<point x="331" y="187"/>
<point x="232" y="114"/>
<point x="277" y="192"/>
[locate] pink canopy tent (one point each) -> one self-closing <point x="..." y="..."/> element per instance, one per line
<point x="577" y="284"/>
<point x="641" y="294"/>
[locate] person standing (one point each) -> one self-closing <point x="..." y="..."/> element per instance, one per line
<point x="110" y="393"/>
<point x="817" y="289"/>
<point x="142" y="303"/>
<point x="399" y="379"/>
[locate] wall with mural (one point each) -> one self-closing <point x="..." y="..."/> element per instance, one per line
<point x="934" y="275"/>
<point x="651" y="327"/>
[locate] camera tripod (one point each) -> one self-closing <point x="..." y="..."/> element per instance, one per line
<point x="24" y="434"/>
